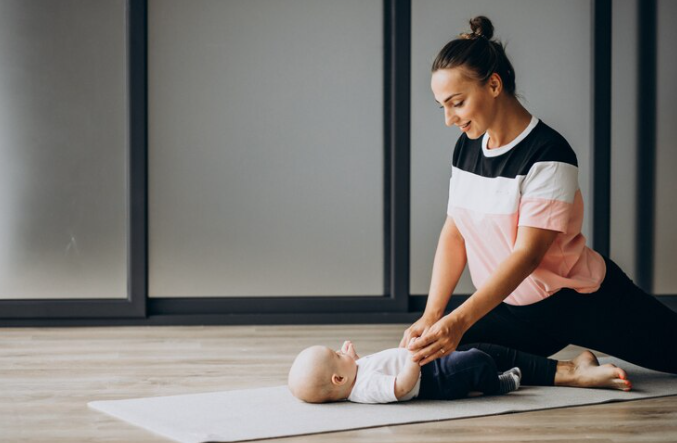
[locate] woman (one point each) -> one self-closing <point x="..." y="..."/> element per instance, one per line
<point x="514" y="215"/>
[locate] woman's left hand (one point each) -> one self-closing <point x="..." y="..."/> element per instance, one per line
<point x="441" y="339"/>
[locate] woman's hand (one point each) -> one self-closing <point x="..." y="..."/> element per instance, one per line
<point x="439" y="340"/>
<point x="417" y="329"/>
<point x="349" y="349"/>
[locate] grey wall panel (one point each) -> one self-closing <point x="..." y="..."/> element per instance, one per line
<point x="266" y="148"/>
<point x="549" y="45"/>
<point x="63" y="149"/>
<point x="624" y="45"/>
<point x="665" y="254"/>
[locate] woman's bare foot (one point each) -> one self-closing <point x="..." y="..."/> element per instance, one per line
<point x="585" y="371"/>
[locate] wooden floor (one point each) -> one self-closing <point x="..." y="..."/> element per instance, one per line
<point x="48" y="375"/>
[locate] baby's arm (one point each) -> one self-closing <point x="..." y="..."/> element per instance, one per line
<point x="407" y="378"/>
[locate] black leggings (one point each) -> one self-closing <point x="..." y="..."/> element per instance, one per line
<point x="619" y="319"/>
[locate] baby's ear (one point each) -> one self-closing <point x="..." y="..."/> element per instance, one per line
<point x="338" y="380"/>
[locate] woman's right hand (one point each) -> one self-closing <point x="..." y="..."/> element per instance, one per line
<point x="418" y="329"/>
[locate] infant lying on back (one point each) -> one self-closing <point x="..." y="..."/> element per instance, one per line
<point x="320" y="374"/>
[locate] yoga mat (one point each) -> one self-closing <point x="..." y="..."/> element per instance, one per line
<point x="251" y="414"/>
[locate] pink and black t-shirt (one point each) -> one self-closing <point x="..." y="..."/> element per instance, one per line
<point x="532" y="181"/>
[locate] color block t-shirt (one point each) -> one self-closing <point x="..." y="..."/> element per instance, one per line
<point x="532" y="181"/>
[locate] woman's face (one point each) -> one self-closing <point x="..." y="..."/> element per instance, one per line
<point x="466" y="103"/>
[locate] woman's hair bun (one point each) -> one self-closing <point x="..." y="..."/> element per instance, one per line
<point x="479" y="54"/>
<point x="480" y="26"/>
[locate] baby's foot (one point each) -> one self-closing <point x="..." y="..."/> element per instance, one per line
<point x="585" y="371"/>
<point x="509" y="381"/>
<point x="517" y="371"/>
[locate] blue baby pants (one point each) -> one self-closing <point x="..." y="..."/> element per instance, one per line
<point x="457" y="374"/>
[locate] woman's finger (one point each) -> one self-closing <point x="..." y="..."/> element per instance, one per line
<point x="427" y="337"/>
<point x="445" y="347"/>
<point x="429" y="358"/>
<point x="427" y="351"/>
<point x="438" y="351"/>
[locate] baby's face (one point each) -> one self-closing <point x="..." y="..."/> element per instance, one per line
<point x="345" y="362"/>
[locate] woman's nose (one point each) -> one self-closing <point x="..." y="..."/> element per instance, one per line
<point x="449" y="118"/>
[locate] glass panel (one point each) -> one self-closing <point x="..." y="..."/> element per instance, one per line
<point x="665" y="279"/>
<point x="549" y="45"/>
<point x="266" y="148"/>
<point x="63" y="145"/>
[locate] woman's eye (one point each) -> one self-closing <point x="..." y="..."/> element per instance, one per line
<point x="458" y="104"/>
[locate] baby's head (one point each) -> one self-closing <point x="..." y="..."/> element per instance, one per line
<point x="320" y="374"/>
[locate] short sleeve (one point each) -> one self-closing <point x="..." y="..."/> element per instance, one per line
<point x="451" y="193"/>
<point x="374" y="388"/>
<point x="547" y="195"/>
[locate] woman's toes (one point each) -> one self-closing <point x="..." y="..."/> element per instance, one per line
<point x="622" y="383"/>
<point x="625" y="385"/>
<point x="622" y="374"/>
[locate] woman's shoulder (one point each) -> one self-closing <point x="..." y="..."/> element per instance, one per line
<point x="547" y="145"/>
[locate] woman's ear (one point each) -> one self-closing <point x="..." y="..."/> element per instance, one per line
<point x="338" y="380"/>
<point x="495" y="84"/>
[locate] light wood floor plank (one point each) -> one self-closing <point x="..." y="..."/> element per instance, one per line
<point x="47" y="376"/>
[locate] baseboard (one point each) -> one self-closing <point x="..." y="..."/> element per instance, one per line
<point x="416" y="307"/>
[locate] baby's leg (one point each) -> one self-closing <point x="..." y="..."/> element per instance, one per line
<point x="459" y="373"/>
<point x="536" y="370"/>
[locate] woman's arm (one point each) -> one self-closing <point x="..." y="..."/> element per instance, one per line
<point x="530" y="247"/>
<point x="450" y="260"/>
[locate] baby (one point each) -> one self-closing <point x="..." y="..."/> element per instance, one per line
<point x="320" y="374"/>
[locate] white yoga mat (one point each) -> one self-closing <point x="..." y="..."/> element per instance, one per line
<point x="252" y="414"/>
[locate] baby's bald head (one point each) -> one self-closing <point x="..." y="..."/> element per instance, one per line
<point x="311" y="373"/>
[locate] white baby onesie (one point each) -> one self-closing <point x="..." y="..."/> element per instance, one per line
<point x="375" y="379"/>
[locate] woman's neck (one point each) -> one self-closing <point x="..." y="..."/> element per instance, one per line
<point x="511" y="119"/>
